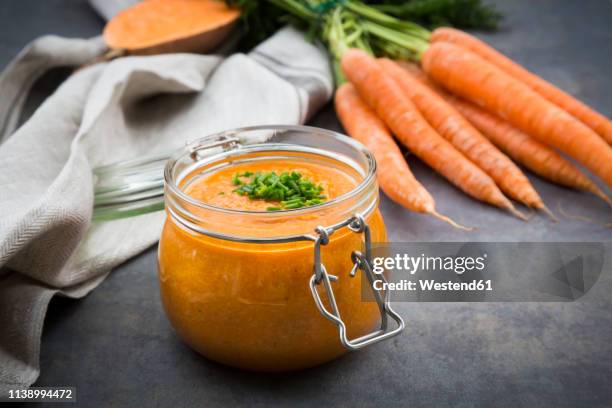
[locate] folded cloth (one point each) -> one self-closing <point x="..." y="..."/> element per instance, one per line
<point x="122" y="109"/>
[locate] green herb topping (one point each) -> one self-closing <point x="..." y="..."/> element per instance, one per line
<point x="289" y="190"/>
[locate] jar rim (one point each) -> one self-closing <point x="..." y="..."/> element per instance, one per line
<point x="173" y="186"/>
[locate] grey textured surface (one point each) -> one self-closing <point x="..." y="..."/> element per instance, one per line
<point x="118" y="349"/>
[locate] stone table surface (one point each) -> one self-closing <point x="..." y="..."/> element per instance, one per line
<point x="118" y="349"/>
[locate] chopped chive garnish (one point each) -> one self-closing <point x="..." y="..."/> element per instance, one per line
<point x="290" y="190"/>
<point x="294" y="205"/>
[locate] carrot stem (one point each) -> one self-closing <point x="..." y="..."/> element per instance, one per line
<point x="410" y="42"/>
<point x="379" y="17"/>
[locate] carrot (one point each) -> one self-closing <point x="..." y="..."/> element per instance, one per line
<point x="472" y="77"/>
<point x="595" y="120"/>
<point x="416" y="72"/>
<point x="394" y="175"/>
<point x="382" y="94"/>
<point x="535" y="155"/>
<point x="456" y="129"/>
<point x="160" y="26"/>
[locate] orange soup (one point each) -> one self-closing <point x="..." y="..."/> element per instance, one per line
<point x="218" y="188"/>
<point x="248" y="304"/>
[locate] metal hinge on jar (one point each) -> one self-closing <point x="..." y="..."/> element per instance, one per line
<point x="361" y="262"/>
<point x="224" y="142"/>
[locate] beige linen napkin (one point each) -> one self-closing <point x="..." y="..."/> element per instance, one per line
<point x="123" y="109"/>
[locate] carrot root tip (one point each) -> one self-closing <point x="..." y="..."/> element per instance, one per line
<point x="530" y="213"/>
<point x="572" y="216"/>
<point x="602" y="195"/>
<point x="449" y="220"/>
<point x="549" y="213"/>
<point x="517" y="213"/>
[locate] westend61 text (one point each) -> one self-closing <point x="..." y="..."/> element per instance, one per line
<point x="431" y="285"/>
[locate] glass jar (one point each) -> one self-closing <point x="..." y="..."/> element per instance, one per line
<point x="280" y="290"/>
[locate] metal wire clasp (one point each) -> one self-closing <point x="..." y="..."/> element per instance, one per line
<point x="224" y="142"/>
<point x="361" y="262"/>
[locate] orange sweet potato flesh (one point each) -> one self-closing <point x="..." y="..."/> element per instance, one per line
<point x="159" y="26"/>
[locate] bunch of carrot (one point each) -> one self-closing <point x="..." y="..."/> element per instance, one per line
<point x="466" y="110"/>
<point x="458" y="111"/>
